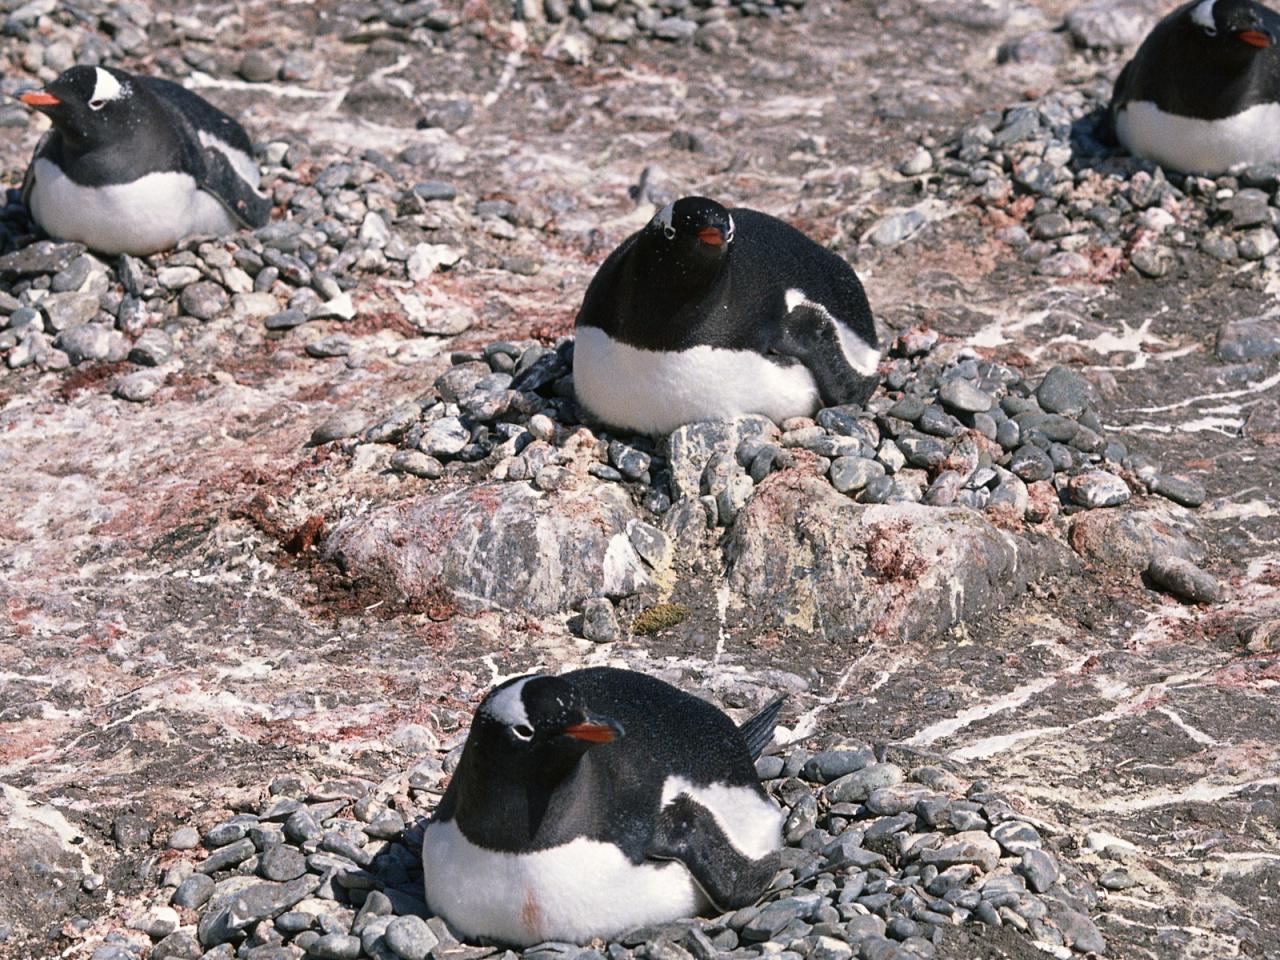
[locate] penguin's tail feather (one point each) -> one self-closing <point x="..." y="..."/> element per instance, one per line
<point x="758" y="730"/>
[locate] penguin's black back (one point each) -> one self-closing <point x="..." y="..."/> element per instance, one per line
<point x="1174" y="70"/>
<point x="615" y="792"/>
<point x="742" y="307"/>
<point x="199" y="112"/>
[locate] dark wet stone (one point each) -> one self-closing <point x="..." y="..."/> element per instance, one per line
<point x="1039" y="868"/>
<point x="830" y="765"/>
<point x="1063" y="391"/>
<point x="228" y="856"/>
<point x="281" y="863"/>
<point x="434" y="190"/>
<point x="286" y="320"/>
<point x="1031" y="464"/>
<point x="1242" y="340"/>
<point x="1077" y="929"/>
<point x="1181" y="490"/>
<point x="223" y="834"/>
<point x="193" y="891"/>
<point x="963" y="396"/>
<point x="1184" y="579"/>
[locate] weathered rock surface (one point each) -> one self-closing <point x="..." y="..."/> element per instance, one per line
<point x="508" y="546"/>
<point x="803" y="556"/>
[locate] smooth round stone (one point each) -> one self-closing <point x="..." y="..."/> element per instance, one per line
<point x="1008" y="434"/>
<point x="833" y="764"/>
<point x="339" y="427"/>
<point x="1178" y="489"/>
<point x="184" y="838"/>
<point x="258" y="66"/>
<point x="1016" y="836"/>
<point x="1097" y="488"/>
<point x="1030" y="463"/>
<point x="444" y="438"/>
<point x="203" y="300"/>
<point x="410" y="938"/>
<point x="339" y="345"/>
<point x="335" y="946"/>
<point x="599" y="621"/>
<point x="85" y="342"/>
<point x="1039" y="868"/>
<point x="1184" y="579"/>
<point x="193" y="891"/>
<point x="223" y="834"/>
<point x="853" y="473"/>
<point x="281" y="863"/>
<point x="963" y="396"/>
<point x="1063" y="391"/>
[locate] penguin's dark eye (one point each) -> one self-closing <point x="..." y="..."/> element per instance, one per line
<point x="522" y="731"/>
<point x="97" y="104"/>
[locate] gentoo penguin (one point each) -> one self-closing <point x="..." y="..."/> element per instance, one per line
<point x="709" y="314"/>
<point x="134" y="164"/>
<point x="1203" y="91"/>
<point x="590" y="803"/>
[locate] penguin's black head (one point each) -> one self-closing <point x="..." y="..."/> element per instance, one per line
<point x="536" y="721"/>
<point x="88" y="105"/>
<point x="1237" y="28"/>
<point x="694" y="227"/>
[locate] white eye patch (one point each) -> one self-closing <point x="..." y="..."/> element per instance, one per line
<point x="507" y="705"/>
<point x="1202" y="16"/>
<point x="106" y="88"/>
<point x="663" y="219"/>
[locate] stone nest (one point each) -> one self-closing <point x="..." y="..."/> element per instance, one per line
<point x="882" y="857"/>
<point x="1077" y="207"/>
<point x="946" y="428"/>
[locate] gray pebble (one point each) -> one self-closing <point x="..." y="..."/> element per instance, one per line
<point x="193" y="891"/>
<point x="1184" y="579"/>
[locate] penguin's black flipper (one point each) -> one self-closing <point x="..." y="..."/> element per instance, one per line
<point x="29" y="178"/>
<point x="809" y="334"/>
<point x="757" y="731"/>
<point x="688" y="832"/>
<point x="220" y="178"/>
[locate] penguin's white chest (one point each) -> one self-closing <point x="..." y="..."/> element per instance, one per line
<point x="574" y="892"/>
<point x="1192" y="145"/>
<point x="655" y="391"/>
<point x="585" y="888"/>
<point x="152" y="213"/>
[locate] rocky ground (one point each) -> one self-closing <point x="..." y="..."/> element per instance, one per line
<point x="274" y="518"/>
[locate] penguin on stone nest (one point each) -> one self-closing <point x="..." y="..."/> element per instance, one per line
<point x="135" y="164"/>
<point x="1202" y="93"/>
<point x="587" y="804"/>
<point x="709" y="314"/>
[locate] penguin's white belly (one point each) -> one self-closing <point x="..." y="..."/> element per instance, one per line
<point x="655" y="391"/>
<point x="1191" y="145"/>
<point x="152" y="213"/>
<point x="574" y="892"/>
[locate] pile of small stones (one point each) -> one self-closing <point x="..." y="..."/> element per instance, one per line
<point x="879" y="861"/>
<point x="1075" y="199"/>
<point x="61" y="305"/>
<point x="945" y="428"/>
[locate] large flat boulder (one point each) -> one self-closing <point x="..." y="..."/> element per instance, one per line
<point x="803" y="556"/>
<point x="499" y="546"/>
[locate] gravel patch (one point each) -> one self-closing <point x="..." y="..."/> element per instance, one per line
<point x="880" y="860"/>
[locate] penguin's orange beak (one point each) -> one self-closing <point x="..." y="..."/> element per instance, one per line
<point x="711" y="236"/>
<point x="595" y="730"/>
<point x="1254" y="38"/>
<point x="38" y="99"/>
